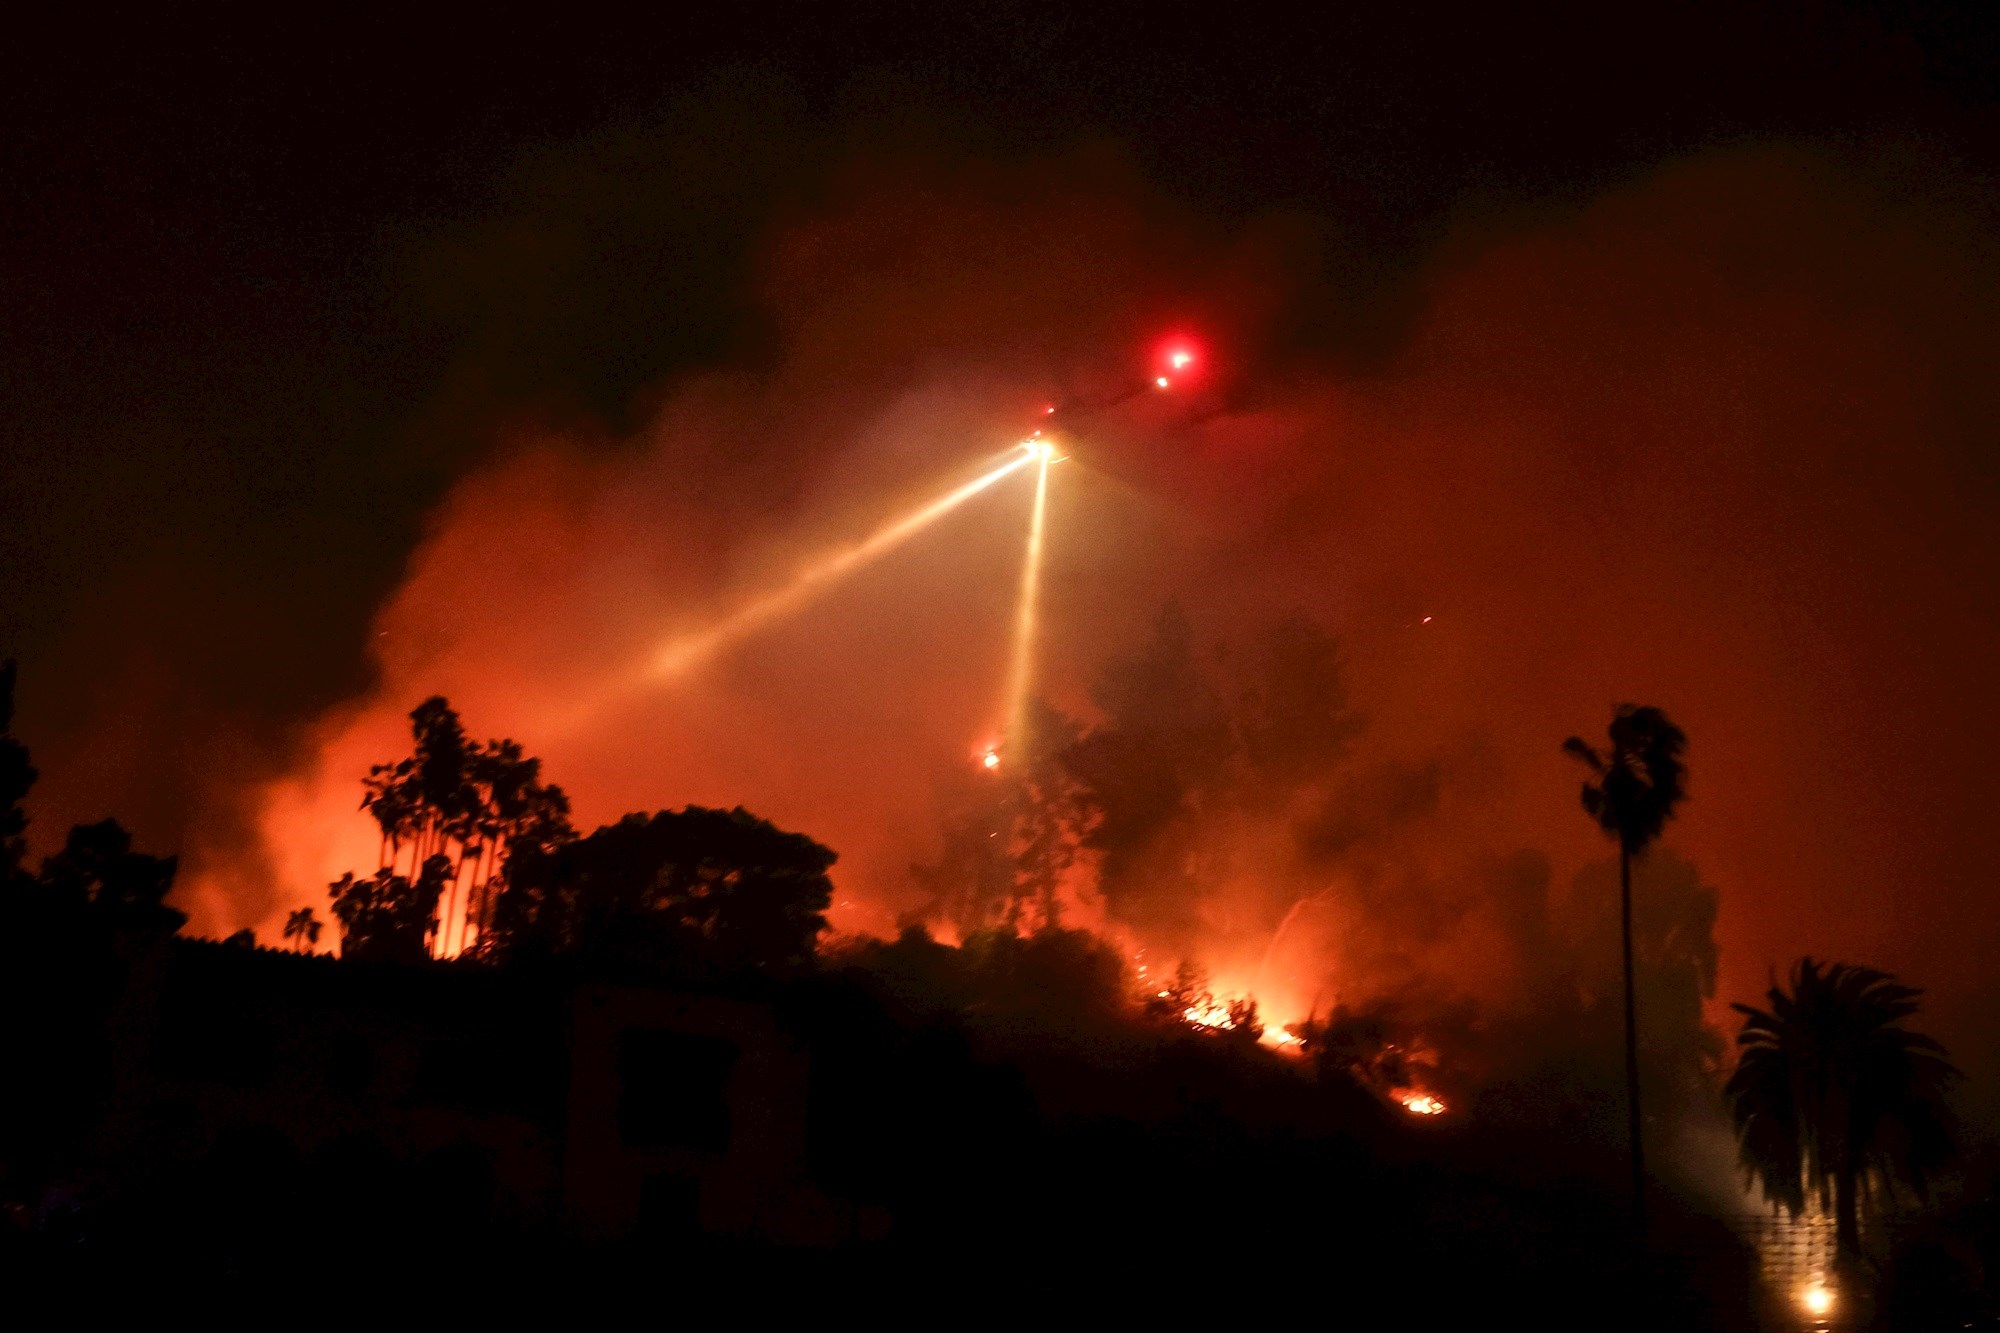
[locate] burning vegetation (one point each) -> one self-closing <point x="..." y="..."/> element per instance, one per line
<point x="1221" y="807"/>
<point x="1163" y="588"/>
<point x="502" y="877"/>
<point x="1189" y="1000"/>
<point x="1027" y="1056"/>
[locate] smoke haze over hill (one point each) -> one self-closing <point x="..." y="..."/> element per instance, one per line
<point x="1711" y="440"/>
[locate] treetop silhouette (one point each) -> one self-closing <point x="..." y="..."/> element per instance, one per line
<point x="1636" y="784"/>
<point x="17" y="777"/>
<point x="304" y="927"/>
<point x="695" y="889"/>
<point x="127" y="888"/>
<point x="390" y="918"/>
<point x="1638" y="781"/>
<point x="471" y="804"/>
<point x="1836" y="1102"/>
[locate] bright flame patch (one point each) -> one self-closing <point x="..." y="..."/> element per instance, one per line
<point x="1214" y="1014"/>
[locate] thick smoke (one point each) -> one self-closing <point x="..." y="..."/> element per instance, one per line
<point x="1713" y="441"/>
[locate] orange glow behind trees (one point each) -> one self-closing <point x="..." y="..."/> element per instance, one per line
<point x="1470" y="480"/>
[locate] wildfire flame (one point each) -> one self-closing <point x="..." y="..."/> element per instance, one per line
<point x="1214" y="1014"/>
<point x="1422" y="1103"/>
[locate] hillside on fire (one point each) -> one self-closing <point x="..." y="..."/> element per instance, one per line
<point x="544" y="1051"/>
<point x="1076" y="663"/>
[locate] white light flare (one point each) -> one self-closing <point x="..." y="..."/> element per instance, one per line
<point x="1020" y="674"/>
<point x="684" y="652"/>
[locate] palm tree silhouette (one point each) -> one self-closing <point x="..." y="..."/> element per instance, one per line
<point x="303" y="926"/>
<point x="1635" y="784"/>
<point x="1833" y="1097"/>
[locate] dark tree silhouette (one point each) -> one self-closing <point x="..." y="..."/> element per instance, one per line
<point x="1376" y="1046"/>
<point x="1012" y="837"/>
<point x="386" y="918"/>
<point x="1048" y="815"/>
<point x="971" y="882"/>
<point x="471" y="804"/>
<point x="1160" y="756"/>
<point x="1185" y="746"/>
<point x="693" y="890"/>
<point x="479" y="859"/>
<point x="1062" y="986"/>
<point x="516" y="811"/>
<point x="1834" y="1099"/>
<point x="127" y="889"/>
<point x="1293" y="718"/>
<point x="17" y="776"/>
<point x="63" y="937"/>
<point x="1636" y="784"/>
<point x="303" y="926"/>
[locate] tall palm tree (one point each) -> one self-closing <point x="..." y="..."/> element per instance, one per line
<point x="1635" y="785"/>
<point x="1834" y="1098"/>
<point x="303" y="926"/>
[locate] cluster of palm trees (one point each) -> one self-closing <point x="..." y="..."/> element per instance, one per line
<point x="466" y="802"/>
<point x="1836" y="1102"/>
<point x="1837" y="1105"/>
<point x="302" y="929"/>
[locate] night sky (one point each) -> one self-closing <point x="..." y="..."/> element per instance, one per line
<point x="347" y="361"/>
